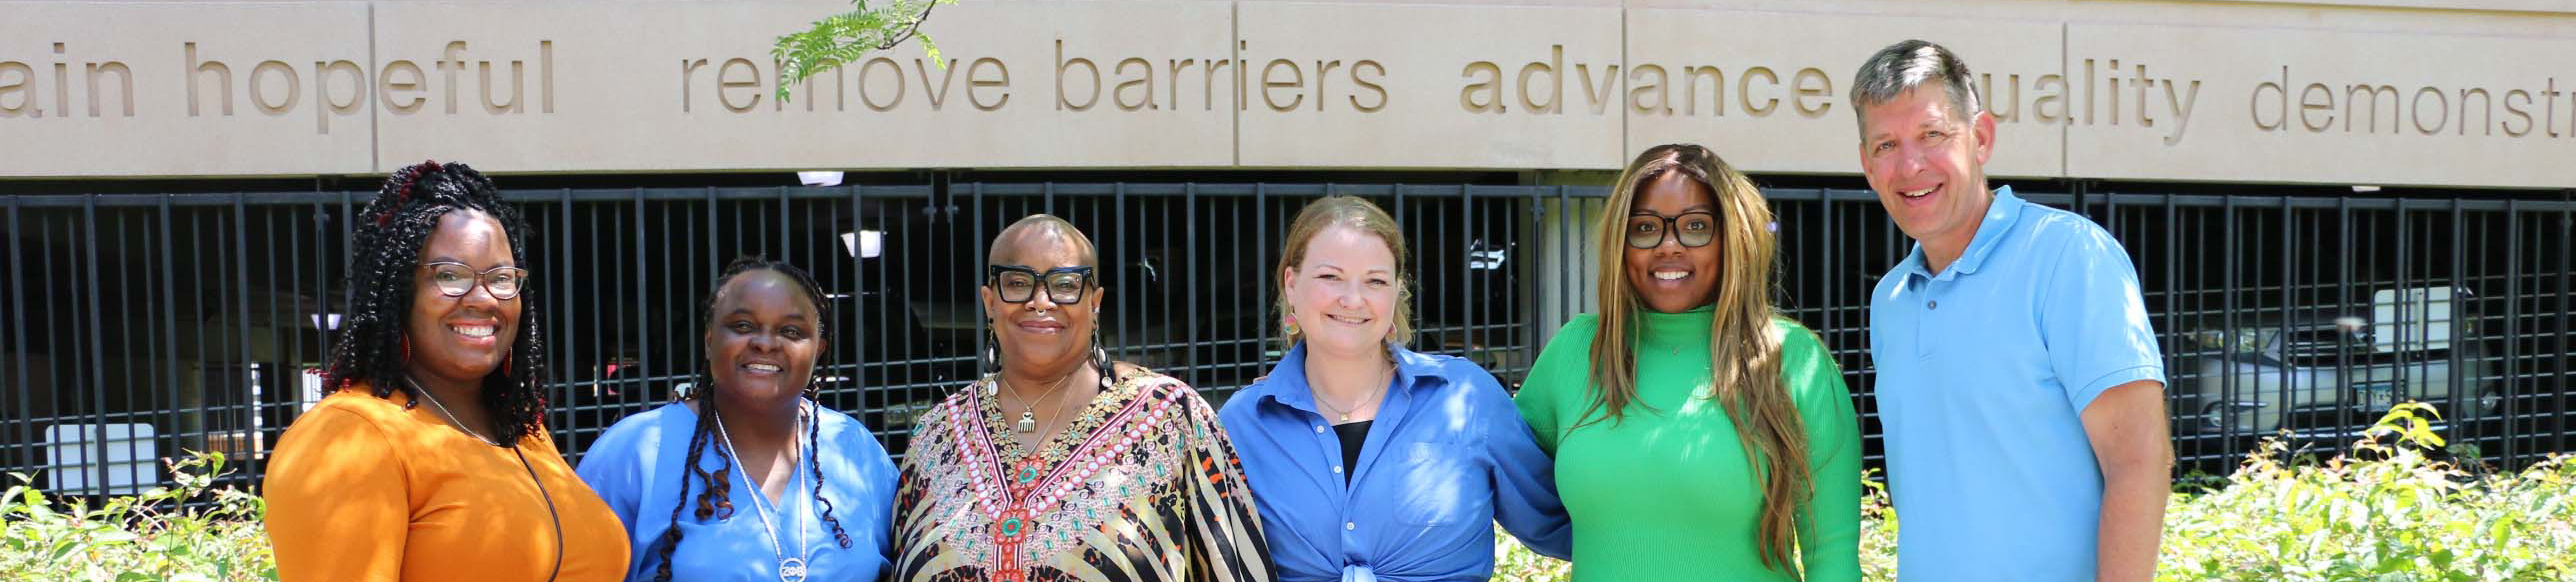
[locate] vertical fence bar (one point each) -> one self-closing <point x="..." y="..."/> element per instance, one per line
<point x="97" y="355"/>
<point x="54" y="336"/>
<point x="169" y="312"/>
<point x="2461" y="291"/>
<point x="2404" y="258"/>
<point x="1190" y="262"/>
<point x="2343" y="282"/>
<point x="26" y="427"/>
<point x="1261" y="292"/>
<point x="2228" y="385"/>
<point x="2512" y="338"/>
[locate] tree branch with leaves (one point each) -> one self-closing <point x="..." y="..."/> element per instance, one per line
<point x="843" y="38"/>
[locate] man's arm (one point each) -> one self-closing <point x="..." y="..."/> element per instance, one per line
<point x="2128" y="428"/>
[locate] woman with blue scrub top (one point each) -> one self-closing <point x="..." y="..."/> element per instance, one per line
<point x="1370" y="461"/>
<point x="747" y="478"/>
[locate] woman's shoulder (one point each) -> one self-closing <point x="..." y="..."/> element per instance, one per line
<point x="1582" y="326"/>
<point x="1807" y="364"/>
<point x="360" y="399"/>
<point x="354" y="408"/>
<point x="965" y="401"/>
<point x="1456" y="374"/>
<point x="644" y="429"/>
<point x="1157" y="391"/>
<point x="1797" y="342"/>
<point x="850" y="433"/>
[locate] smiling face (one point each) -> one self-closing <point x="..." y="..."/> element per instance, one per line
<point x="464" y="338"/>
<point x="763" y="340"/>
<point x="1039" y="336"/>
<point x="1344" y="293"/>
<point x="1927" y="164"/>
<point x="1670" y="277"/>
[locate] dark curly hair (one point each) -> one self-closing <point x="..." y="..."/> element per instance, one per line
<point x="390" y="233"/>
<point x="714" y="500"/>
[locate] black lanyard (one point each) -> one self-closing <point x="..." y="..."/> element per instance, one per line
<point x="550" y="511"/>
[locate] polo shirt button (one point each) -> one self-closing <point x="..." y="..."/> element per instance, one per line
<point x="1932" y="305"/>
<point x="1337" y="469"/>
<point x="1349" y="526"/>
<point x="1319" y="430"/>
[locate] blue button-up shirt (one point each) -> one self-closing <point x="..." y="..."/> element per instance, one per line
<point x="1984" y="370"/>
<point x="1447" y="457"/>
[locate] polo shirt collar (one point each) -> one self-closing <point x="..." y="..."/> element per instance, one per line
<point x="1991" y="230"/>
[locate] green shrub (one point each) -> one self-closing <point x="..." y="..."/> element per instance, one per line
<point x="141" y="537"/>
<point x="2381" y="512"/>
<point x="2385" y="511"/>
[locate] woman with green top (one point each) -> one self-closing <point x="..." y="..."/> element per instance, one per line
<point x="1694" y="429"/>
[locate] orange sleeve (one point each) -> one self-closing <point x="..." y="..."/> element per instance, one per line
<point x="338" y="506"/>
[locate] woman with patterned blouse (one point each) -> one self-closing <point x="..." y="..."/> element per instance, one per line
<point x="1063" y="465"/>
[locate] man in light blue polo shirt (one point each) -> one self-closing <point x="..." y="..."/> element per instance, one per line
<point x="2018" y="379"/>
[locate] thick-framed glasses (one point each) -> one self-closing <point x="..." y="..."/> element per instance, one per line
<point x="456" y="280"/>
<point x="1019" y="284"/>
<point x="1693" y="229"/>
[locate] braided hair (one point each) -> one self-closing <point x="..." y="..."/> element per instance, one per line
<point x="714" y="500"/>
<point x="390" y="233"/>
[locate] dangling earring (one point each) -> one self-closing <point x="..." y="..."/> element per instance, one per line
<point x="992" y="351"/>
<point x="1099" y="355"/>
<point x="1100" y="358"/>
<point x="406" y="347"/>
<point x="1288" y="321"/>
<point x="505" y="366"/>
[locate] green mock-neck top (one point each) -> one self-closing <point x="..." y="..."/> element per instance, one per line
<point x="1667" y="490"/>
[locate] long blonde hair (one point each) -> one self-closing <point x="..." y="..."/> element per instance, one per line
<point x="1744" y="346"/>
<point x="1364" y="216"/>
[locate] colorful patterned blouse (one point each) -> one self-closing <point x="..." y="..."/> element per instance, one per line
<point x="1142" y="486"/>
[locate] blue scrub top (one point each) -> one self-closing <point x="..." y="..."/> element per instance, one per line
<point x="636" y="468"/>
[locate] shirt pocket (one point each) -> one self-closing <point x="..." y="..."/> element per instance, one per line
<point x="1441" y="484"/>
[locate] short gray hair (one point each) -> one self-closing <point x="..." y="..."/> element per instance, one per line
<point x="1903" y="66"/>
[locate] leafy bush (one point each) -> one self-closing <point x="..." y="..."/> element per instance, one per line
<point x="2384" y="511"/>
<point x="2387" y="510"/>
<point x="151" y="536"/>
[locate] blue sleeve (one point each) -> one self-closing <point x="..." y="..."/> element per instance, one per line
<point x="615" y="468"/>
<point x="877" y="469"/>
<point x="2094" y="320"/>
<point x="1525" y="500"/>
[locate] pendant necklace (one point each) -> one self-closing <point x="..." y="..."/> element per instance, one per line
<point x="1345" y="413"/>
<point x="1028" y="418"/>
<point x="790" y="568"/>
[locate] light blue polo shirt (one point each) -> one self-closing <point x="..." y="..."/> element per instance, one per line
<point x="1983" y="372"/>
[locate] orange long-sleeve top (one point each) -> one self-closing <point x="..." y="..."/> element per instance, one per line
<point x="362" y="489"/>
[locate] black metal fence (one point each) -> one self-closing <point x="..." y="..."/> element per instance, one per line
<point x="133" y="327"/>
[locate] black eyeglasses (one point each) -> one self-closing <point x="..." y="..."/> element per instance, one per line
<point x="1693" y="229"/>
<point x="1019" y="284"/>
<point x="455" y="279"/>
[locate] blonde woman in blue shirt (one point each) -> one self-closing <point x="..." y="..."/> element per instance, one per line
<point x="1370" y="461"/>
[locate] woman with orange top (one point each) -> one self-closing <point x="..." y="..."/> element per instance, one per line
<point x="430" y="460"/>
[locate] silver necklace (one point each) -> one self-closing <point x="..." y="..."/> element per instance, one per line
<point x="1028" y="418"/>
<point x="790" y="568"/>
<point x="442" y="411"/>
